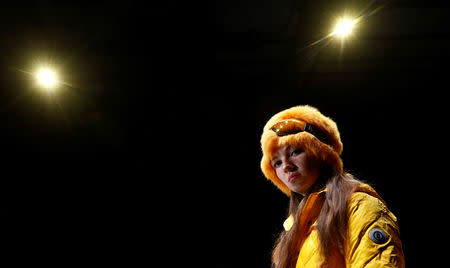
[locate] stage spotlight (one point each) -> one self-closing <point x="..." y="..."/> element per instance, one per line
<point x="344" y="27"/>
<point x="47" y="78"/>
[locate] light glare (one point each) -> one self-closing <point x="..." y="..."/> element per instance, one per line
<point x="46" y="78"/>
<point x="344" y="27"/>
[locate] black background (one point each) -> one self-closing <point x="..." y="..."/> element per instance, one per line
<point x="150" y="150"/>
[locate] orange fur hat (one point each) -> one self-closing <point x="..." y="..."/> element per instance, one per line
<point x="328" y="152"/>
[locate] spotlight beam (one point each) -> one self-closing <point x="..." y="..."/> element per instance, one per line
<point x="344" y="28"/>
<point x="46" y="78"/>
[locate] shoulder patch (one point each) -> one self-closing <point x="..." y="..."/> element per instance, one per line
<point x="378" y="236"/>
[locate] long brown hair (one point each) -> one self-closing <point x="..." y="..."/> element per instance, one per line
<point x="331" y="222"/>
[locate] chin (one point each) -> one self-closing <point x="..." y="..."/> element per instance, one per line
<point x="299" y="190"/>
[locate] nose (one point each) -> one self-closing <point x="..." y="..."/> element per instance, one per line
<point x="289" y="167"/>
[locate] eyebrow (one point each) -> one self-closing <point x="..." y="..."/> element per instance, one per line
<point x="287" y="148"/>
<point x="273" y="160"/>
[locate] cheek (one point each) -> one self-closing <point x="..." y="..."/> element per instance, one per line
<point x="308" y="164"/>
<point x="313" y="167"/>
<point x="279" y="173"/>
<point x="302" y="162"/>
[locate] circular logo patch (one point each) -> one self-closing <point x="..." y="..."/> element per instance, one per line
<point x="378" y="236"/>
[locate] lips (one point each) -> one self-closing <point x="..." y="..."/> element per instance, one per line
<point x="293" y="177"/>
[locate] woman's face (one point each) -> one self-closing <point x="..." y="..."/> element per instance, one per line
<point x="297" y="169"/>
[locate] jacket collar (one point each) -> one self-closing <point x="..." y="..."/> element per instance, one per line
<point x="311" y="202"/>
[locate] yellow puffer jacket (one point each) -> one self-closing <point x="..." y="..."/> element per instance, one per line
<point x="373" y="239"/>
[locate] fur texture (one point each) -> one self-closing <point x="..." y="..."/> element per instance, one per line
<point x="270" y="141"/>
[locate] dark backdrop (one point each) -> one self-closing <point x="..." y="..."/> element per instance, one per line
<point x="150" y="151"/>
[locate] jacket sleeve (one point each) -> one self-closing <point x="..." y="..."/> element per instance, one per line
<point x="373" y="234"/>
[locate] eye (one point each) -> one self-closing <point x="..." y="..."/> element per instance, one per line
<point x="277" y="164"/>
<point x="296" y="152"/>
